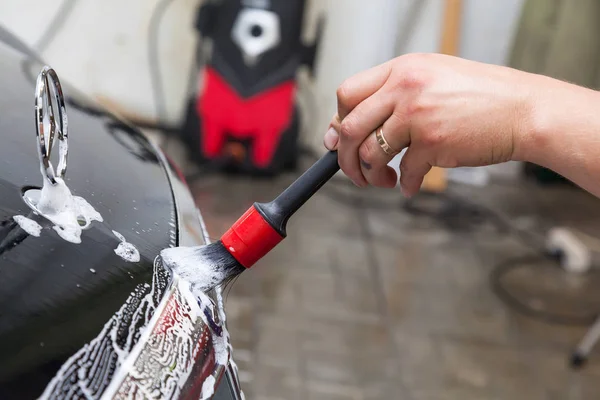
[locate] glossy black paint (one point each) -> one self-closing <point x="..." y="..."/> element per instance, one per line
<point x="51" y="302"/>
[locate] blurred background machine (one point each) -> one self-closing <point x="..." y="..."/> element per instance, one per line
<point x="244" y="116"/>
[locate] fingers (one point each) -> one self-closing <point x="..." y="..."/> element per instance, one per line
<point x="373" y="164"/>
<point x="413" y="169"/>
<point x="362" y="107"/>
<point x="359" y="87"/>
<point x="356" y="127"/>
<point x="374" y="160"/>
<point x="332" y="136"/>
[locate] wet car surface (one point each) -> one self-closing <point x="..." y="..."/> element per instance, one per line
<point x="79" y="320"/>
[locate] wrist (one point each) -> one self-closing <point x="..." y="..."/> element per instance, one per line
<point x="531" y="131"/>
<point x="546" y="119"/>
<point x="559" y="125"/>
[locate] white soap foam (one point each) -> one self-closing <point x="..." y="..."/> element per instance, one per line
<point x="221" y="308"/>
<point x="181" y="260"/>
<point x="222" y="347"/>
<point x="190" y="263"/>
<point x="66" y="211"/>
<point x="119" y="236"/>
<point x="185" y="261"/>
<point x="161" y="362"/>
<point x="208" y="388"/>
<point x="220" y="342"/>
<point x="28" y="225"/>
<point x="88" y="372"/>
<point x="126" y="250"/>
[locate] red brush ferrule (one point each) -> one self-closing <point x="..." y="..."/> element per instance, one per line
<point x="250" y="238"/>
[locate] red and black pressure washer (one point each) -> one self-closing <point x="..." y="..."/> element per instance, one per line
<point x="244" y="116"/>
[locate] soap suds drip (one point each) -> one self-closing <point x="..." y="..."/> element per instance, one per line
<point x="82" y="375"/>
<point x="175" y="345"/>
<point x="220" y="339"/>
<point x="28" y="225"/>
<point x="184" y="262"/>
<point x="208" y="388"/>
<point x="149" y="349"/>
<point x="233" y="367"/>
<point x="126" y="250"/>
<point x="223" y="317"/>
<point x="69" y="214"/>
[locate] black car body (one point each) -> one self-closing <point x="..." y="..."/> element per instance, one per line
<point x="76" y="319"/>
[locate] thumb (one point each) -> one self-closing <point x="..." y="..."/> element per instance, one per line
<point x="332" y="135"/>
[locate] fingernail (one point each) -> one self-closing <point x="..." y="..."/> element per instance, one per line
<point x="360" y="184"/>
<point x="331" y="139"/>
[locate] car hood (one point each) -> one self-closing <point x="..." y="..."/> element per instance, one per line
<point x="72" y="313"/>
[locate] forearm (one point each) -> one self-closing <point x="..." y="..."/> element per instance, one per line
<point x="562" y="132"/>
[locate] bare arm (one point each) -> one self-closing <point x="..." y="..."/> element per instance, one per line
<point x="450" y="112"/>
<point x="563" y="133"/>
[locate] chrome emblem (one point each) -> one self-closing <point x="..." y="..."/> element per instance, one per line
<point x="49" y="95"/>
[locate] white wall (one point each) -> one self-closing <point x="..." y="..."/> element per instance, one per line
<point x="360" y="36"/>
<point x="103" y="47"/>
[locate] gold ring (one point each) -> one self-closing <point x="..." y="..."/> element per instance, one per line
<point x="383" y="143"/>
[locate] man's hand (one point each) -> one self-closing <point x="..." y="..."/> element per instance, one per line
<point x="447" y="111"/>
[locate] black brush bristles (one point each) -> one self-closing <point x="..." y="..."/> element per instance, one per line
<point x="229" y="266"/>
<point x="204" y="267"/>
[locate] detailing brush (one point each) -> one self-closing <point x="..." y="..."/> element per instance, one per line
<point x="252" y="236"/>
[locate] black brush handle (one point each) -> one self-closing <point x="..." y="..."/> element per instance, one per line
<point x="278" y="211"/>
